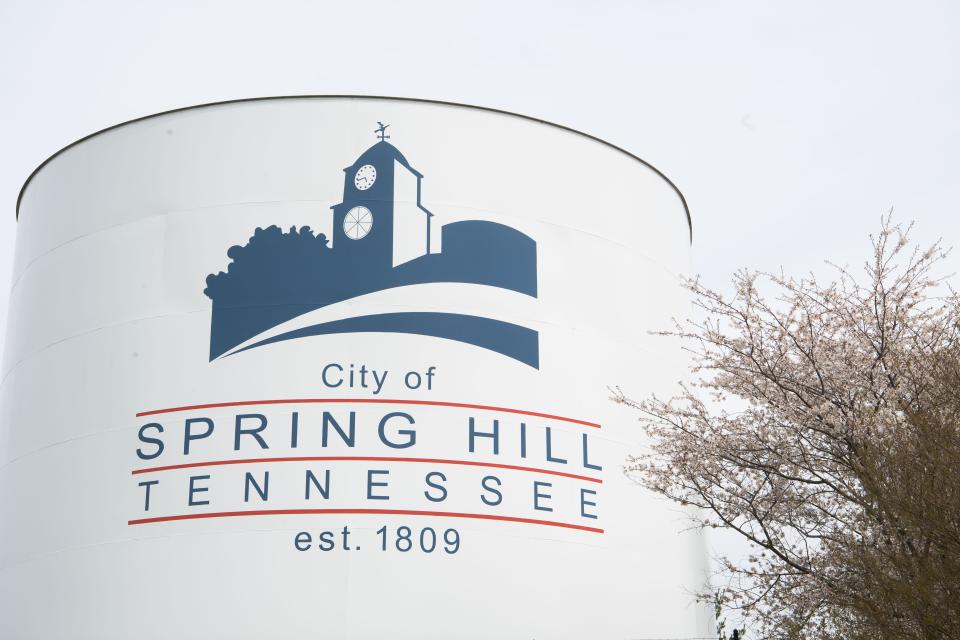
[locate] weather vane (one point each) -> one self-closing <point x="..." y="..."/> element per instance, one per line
<point x="382" y="131"/>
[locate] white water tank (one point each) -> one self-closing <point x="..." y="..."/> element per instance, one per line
<point x="338" y="367"/>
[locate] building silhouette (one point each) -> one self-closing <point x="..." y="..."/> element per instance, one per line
<point x="383" y="237"/>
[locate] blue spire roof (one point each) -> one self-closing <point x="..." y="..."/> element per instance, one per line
<point x="381" y="151"/>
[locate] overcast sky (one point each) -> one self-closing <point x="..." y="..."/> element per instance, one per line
<point x="789" y="127"/>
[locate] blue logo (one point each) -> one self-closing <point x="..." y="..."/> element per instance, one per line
<point x="383" y="237"/>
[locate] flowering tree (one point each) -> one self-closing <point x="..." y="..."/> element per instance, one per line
<point x="822" y="426"/>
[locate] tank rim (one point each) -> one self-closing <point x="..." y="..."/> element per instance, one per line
<point x="43" y="164"/>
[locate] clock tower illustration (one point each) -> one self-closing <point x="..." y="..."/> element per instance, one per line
<point x="383" y="237"/>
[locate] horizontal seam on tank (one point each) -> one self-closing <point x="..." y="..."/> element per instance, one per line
<point x="16" y="365"/>
<point x="16" y="282"/>
<point x="607" y="436"/>
<point x="198" y="533"/>
<point x="58" y="443"/>
<point x="113" y="325"/>
<point x="599" y="436"/>
<point x="114" y="227"/>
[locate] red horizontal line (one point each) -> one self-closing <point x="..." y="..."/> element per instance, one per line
<point x="433" y="403"/>
<point x="387" y="512"/>
<point x="466" y="463"/>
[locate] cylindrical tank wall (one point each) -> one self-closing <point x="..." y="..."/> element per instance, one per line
<point x="274" y="369"/>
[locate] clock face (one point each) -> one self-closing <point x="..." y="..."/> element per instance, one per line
<point x="358" y="222"/>
<point x="365" y="177"/>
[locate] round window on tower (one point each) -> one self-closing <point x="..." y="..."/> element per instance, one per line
<point x="357" y="223"/>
